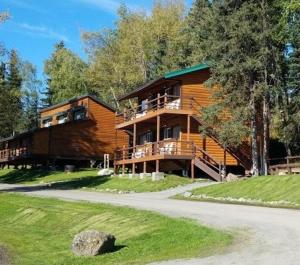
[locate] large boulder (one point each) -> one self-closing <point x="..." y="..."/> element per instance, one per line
<point x="231" y="177"/>
<point x="105" y="172"/>
<point x="92" y="243"/>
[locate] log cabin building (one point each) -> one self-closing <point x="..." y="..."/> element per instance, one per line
<point x="76" y="131"/>
<point x="164" y="129"/>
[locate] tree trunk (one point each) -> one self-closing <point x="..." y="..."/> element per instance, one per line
<point x="255" y="170"/>
<point x="266" y="116"/>
<point x="115" y="98"/>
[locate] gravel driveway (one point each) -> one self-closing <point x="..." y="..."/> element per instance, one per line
<point x="267" y="236"/>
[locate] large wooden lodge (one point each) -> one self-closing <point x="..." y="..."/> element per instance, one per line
<point x="159" y="134"/>
<point x="164" y="129"/>
<point x="80" y="129"/>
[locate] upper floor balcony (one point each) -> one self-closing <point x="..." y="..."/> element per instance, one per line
<point x="162" y="104"/>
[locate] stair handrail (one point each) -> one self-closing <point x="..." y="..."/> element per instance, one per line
<point x="218" y="166"/>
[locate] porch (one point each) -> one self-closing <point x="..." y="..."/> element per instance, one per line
<point x="184" y="154"/>
<point x="13" y="154"/>
<point x="162" y="104"/>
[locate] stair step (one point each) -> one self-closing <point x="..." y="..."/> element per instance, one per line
<point x="208" y="170"/>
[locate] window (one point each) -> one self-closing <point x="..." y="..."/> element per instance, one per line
<point x="146" y="137"/>
<point x="176" y="90"/>
<point x="167" y="133"/>
<point x="79" y="114"/>
<point x="47" y="122"/>
<point x="62" y="118"/>
<point x="176" y="132"/>
<point x="173" y="90"/>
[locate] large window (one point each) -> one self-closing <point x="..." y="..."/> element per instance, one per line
<point x="167" y="133"/>
<point x="176" y="132"/>
<point x="146" y="138"/>
<point x="62" y="118"/>
<point x="79" y="114"/>
<point x="171" y="132"/>
<point x="173" y="90"/>
<point x="47" y="122"/>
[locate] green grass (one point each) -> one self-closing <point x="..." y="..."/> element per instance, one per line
<point x="285" y="190"/>
<point x="88" y="179"/>
<point x="39" y="231"/>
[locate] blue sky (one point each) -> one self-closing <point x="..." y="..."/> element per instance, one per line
<point x="36" y="25"/>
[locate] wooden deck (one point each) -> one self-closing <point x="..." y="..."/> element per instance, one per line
<point x="169" y="150"/>
<point x="10" y="155"/>
<point x="162" y="105"/>
<point x="284" y="166"/>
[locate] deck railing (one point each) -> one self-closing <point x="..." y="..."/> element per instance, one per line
<point x="166" y="147"/>
<point x="171" y="102"/>
<point x="13" y="153"/>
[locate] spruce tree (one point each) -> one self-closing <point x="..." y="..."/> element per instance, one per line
<point x="14" y="95"/>
<point x="237" y="39"/>
<point x="65" y="75"/>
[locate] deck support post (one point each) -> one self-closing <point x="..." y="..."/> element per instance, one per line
<point x="157" y="165"/>
<point x="134" y="136"/>
<point x="157" y="134"/>
<point x="157" y="142"/>
<point x="188" y="127"/>
<point x="145" y="167"/>
<point x="123" y="169"/>
<point x="133" y="169"/>
<point x="193" y="169"/>
<point x="225" y="164"/>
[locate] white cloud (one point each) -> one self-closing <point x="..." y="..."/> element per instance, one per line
<point x="42" y="31"/>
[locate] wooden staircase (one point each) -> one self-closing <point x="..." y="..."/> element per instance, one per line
<point x="241" y="153"/>
<point x="208" y="164"/>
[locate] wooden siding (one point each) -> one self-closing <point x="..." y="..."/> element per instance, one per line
<point x="40" y="142"/>
<point x="68" y="106"/>
<point x="89" y="138"/>
<point x="192" y="85"/>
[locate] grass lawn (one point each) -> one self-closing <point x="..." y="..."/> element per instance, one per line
<point x="268" y="190"/>
<point x="39" y="231"/>
<point x="88" y="179"/>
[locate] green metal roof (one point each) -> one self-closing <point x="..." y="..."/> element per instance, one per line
<point x="194" y="68"/>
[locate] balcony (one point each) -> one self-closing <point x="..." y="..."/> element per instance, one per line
<point x="166" y="149"/>
<point x="150" y="108"/>
<point x="7" y="155"/>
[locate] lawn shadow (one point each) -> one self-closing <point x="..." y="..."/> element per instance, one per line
<point x="86" y="182"/>
<point x="21" y="175"/>
<point x="117" y="248"/>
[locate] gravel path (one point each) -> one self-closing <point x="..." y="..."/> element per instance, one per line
<point x="269" y="236"/>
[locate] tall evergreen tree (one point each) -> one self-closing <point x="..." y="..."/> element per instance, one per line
<point x="237" y="39"/>
<point x="286" y="122"/>
<point x="13" y="92"/>
<point x="4" y="129"/>
<point x="30" y="97"/>
<point x="65" y="75"/>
